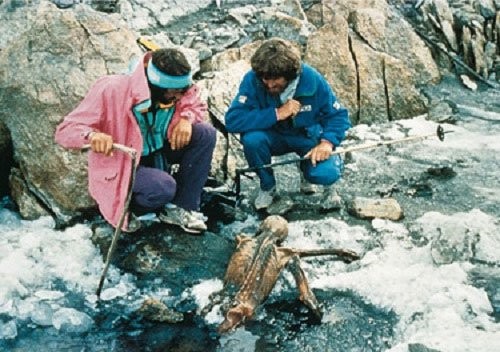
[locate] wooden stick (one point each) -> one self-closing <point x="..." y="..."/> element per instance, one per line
<point x="133" y="154"/>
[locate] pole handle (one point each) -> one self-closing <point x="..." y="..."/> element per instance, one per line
<point x="130" y="151"/>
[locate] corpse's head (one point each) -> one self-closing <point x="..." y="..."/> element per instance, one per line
<point x="276" y="226"/>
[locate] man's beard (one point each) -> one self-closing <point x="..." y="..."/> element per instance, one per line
<point x="274" y="93"/>
<point x="158" y="95"/>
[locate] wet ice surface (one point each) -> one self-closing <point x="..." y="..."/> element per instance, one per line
<point x="432" y="278"/>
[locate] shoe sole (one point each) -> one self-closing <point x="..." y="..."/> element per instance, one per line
<point x="192" y="231"/>
<point x="186" y="229"/>
<point x="131" y="231"/>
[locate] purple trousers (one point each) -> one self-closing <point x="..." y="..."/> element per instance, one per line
<point x="153" y="188"/>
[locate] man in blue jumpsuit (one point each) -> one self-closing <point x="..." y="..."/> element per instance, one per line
<point x="284" y="105"/>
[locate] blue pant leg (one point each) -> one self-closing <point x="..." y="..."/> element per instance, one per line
<point x="194" y="165"/>
<point x="259" y="147"/>
<point x="325" y="172"/>
<point x="152" y="189"/>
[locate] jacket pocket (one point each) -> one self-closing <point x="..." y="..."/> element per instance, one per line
<point x="111" y="176"/>
<point x="104" y="175"/>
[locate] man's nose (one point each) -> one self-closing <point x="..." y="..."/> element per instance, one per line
<point x="270" y="84"/>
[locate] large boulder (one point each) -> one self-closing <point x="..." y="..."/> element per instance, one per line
<point x="44" y="73"/>
<point x="373" y="60"/>
<point x="329" y="51"/>
<point x="228" y="68"/>
<point x="143" y="15"/>
<point x="468" y="29"/>
<point x="368" y="53"/>
<point x="13" y="20"/>
<point x="220" y="91"/>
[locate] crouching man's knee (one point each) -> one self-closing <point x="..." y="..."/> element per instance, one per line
<point x="326" y="172"/>
<point x="254" y="139"/>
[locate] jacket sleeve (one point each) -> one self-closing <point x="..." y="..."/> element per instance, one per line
<point x="334" y="117"/>
<point x="245" y="113"/>
<point x="73" y="131"/>
<point x="191" y="107"/>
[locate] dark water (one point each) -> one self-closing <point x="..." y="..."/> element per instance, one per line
<point x="356" y="326"/>
<point x="282" y="324"/>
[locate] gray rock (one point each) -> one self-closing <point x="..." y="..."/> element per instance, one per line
<point x="385" y="208"/>
<point x="451" y="245"/>
<point x="375" y="70"/>
<point x="61" y="55"/>
<point x="463" y="27"/>
<point x="155" y="310"/>
<point x="418" y="347"/>
<point x="29" y="206"/>
<point x="147" y="15"/>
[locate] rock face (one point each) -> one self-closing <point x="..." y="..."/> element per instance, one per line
<point x="373" y="60"/>
<point x="469" y="29"/>
<point x="56" y="61"/>
<point x="368" y="52"/>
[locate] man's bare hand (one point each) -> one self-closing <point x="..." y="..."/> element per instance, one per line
<point x="289" y="109"/>
<point x="181" y="134"/>
<point x="320" y="152"/>
<point x="101" y="143"/>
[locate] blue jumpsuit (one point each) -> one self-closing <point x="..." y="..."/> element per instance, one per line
<point x="253" y="114"/>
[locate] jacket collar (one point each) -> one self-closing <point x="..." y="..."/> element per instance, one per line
<point x="307" y="83"/>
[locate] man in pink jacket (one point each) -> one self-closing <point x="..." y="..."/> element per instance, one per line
<point x="157" y="111"/>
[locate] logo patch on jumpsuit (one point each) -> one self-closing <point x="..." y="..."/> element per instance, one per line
<point x="336" y="105"/>
<point x="242" y="99"/>
<point x="305" y="108"/>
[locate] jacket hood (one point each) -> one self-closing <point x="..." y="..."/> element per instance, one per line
<point x="139" y="82"/>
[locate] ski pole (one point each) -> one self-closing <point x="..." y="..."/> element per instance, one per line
<point x="133" y="154"/>
<point x="439" y="133"/>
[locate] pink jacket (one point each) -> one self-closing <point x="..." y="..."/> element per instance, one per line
<point x="107" y="108"/>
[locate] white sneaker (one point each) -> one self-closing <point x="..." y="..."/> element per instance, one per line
<point x="264" y="198"/>
<point x="306" y="187"/>
<point x="189" y="221"/>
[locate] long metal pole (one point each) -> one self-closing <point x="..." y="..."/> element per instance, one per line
<point x="439" y="133"/>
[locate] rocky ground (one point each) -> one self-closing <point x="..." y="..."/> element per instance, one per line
<point x="429" y="176"/>
<point x="421" y="176"/>
<point x="457" y="175"/>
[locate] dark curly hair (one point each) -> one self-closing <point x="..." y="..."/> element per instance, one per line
<point x="276" y="58"/>
<point x="171" y="61"/>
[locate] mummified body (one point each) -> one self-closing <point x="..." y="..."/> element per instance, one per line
<point x="255" y="266"/>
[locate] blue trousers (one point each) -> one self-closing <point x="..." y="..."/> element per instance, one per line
<point x="260" y="146"/>
<point x="153" y="188"/>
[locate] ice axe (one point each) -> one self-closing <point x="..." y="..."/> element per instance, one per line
<point x="439" y="133"/>
<point x="118" y="229"/>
